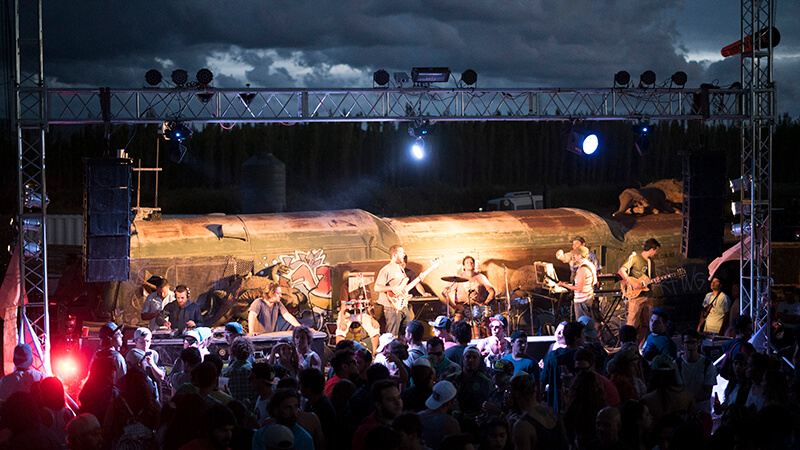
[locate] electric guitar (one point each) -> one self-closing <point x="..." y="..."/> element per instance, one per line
<point x="630" y="292"/>
<point x="400" y="301"/>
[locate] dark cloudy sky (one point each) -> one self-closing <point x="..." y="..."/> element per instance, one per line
<point x="339" y="43"/>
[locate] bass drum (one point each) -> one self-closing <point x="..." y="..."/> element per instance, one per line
<point x="544" y="323"/>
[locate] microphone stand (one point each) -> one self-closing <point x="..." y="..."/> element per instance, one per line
<point x="508" y="295"/>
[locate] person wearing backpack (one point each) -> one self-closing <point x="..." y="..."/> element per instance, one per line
<point x="697" y="372"/>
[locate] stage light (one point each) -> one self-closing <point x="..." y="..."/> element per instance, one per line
<point x="582" y="144"/>
<point x="622" y="78"/>
<point x="28" y="225"/>
<point x="418" y="149"/>
<point x="679" y="78"/>
<point x="737" y="184"/>
<point x="647" y="78"/>
<point x="153" y="77"/>
<point x="205" y="97"/>
<point x="738" y="208"/>
<point x="33" y="200"/>
<point x="204" y="77"/>
<point x="430" y="74"/>
<point x="381" y="77"/>
<point x="642" y="143"/>
<point x="469" y="77"/>
<point x="32" y="249"/>
<point x="180" y="77"/>
<point x="401" y="78"/>
<point x="175" y="130"/>
<point x="737" y="229"/>
<point x="247" y="97"/>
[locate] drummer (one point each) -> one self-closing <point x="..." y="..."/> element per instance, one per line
<point x="471" y="287"/>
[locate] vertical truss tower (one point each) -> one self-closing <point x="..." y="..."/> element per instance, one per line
<point x="756" y="134"/>
<point x="30" y="123"/>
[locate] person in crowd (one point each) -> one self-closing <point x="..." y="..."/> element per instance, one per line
<point x="621" y="373"/>
<point x="519" y="355"/>
<point x="473" y="388"/>
<point x="659" y="342"/>
<point x="462" y="333"/>
<point x="183" y="313"/>
<point x="283" y="407"/>
<point x="361" y="404"/>
<point x="155" y="303"/>
<point x="788" y="311"/>
<point x="389" y="285"/>
<point x="264" y="313"/>
<point x="344" y="368"/>
<point x="135" y="404"/>
<point x="388" y="405"/>
<point x="441" y="328"/>
<point x="536" y="426"/>
<point x="303" y="337"/>
<point x="238" y="372"/>
<point x="569" y="257"/>
<point x="383" y="437"/>
<point x="218" y="424"/>
<point x="495" y="406"/>
<point x="245" y="427"/>
<point x="496" y="345"/>
<point x="584" y="281"/>
<point x="738" y="387"/>
<point x="558" y="359"/>
<point x="585" y="399"/>
<point x="204" y="380"/>
<point x="284" y="354"/>
<point x="608" y="424"/>
<point x="363" y="361"/>
<point x="312" y="383"/>
<point x="308" y="421"/>
<point x="190" y="358"/>
<point x="99" y="390"/>
<point x="716" y="310"/>
<point x="437" y="419"/>
<point x="110" y="345"/>
<point x="743" y="329"/>
<point x="84" y="433"/>
<point x="216" y="393"/>
<point x="591" y="342"/>
<point x="262" y="380"/>
<point x="666" y="395"/>
<point x="423" y="378"/>
<point x="21" y="416"/>
<point x="768" y="385"/>
<point x="494" y="435"/>
<point x="23" y="376"/>
<point x="636" y="425"/>
<point x="55" y="413"/>
<point x="183" y="423"/>
<point x="441" y="364"/>
<point x="632" y="272"/>
<point x="409" y="425"/>
<point x="413" y="339"/>
<point x="584" y="361"/>
<point x="697" y="372"/>
<point x="232" y="331"/>
<point x="145" y="358"/>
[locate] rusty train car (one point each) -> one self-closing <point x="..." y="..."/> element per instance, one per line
<point x="218" y="256"/>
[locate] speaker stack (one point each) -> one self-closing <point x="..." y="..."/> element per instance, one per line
<point x="703" y="204"/>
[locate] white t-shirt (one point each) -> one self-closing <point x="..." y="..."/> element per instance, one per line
<point x="695" y="376"/>
<point x="722" y="306"/>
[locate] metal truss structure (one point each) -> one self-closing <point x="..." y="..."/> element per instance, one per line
<point x="38" y="107"/>
<point x="756" y="134"/>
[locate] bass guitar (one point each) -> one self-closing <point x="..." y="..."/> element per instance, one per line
<point x="400" y="301"/>
<point x="630" y="292"/>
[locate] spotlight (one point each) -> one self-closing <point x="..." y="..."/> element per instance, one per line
<point x="622" y="78"/>
<point x="381" y="77"/>
<point x="581" y="144"/>
<point x="647" y="78"/>
<point x="175" y="131"/>
<point x="737" y="184"/>
<point x="737" y="229"/>
<point x="679" y="78"/>
<point x="401" y="78"/>
<point x="642" y="143"/>
<point x="418" y="149"/>
<point x="430" y="74"/>
<point x="204" y="77"/>
<point x="469" y="77"/>
<point x="32" y="249"/>
<point x="180" y="77"/>
<point x="153" y="77"/>
<point x="33" y="200"/>
<point x="247" y="97"/>
<point x="205" y="97"/>
<point x="738" y="208"/>
<point x="28" y="225"/>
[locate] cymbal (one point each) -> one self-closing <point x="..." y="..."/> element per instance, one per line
<point x="454" y="279"/>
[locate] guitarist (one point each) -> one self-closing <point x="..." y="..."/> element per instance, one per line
<point x="638" y="266"/>
<point x="390" y="279"/>
<point x="716" y="310"/>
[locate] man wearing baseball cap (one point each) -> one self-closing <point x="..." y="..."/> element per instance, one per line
<point x="473" y="387"/>
<point x="146" y="358"/>
<point x="110" y="344"/>
<point x="519" y="356"/>
<point x="437" y="420"/>
<point x="441" y="329"/>
<point x="23" y="376"/>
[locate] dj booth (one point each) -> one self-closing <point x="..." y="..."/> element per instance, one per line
<point x="169" y="348"/>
